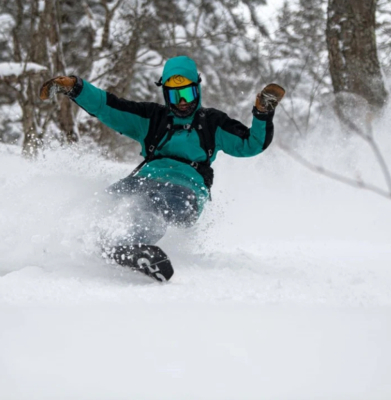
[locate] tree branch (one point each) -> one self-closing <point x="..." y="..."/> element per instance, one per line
<point x="332" y="175"/>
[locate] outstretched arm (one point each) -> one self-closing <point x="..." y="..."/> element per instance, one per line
<point x="237" y="140"/>
<point x="251" y="141"/>
<point x="127" y="117"/>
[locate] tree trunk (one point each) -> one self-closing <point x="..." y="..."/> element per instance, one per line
<point x="32" y="137"/>
<point x="66" y="121"/>
<point x="351" y="41"/>
<point x="65" y="116"/>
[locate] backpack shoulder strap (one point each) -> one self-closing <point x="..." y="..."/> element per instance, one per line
<point x="205" y="132"/>
<point x="159" y="124"/>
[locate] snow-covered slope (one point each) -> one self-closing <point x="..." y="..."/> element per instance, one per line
<point x="282" y="291"/>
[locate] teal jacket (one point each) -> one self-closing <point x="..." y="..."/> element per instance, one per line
<point x="137" y="119"/>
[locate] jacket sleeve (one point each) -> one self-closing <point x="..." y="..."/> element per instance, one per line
<point x="235" y="139"/>
<point x="127" y="117"/>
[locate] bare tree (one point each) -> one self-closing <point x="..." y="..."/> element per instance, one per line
<point x="36" y="39"/>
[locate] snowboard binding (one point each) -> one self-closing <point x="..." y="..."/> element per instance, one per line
<point x="147" y="259"/>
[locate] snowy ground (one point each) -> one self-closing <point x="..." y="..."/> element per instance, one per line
<point x="282" y="291"/>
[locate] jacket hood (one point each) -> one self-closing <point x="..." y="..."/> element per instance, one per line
<point x="181" y="65"/>
<point x="185" y="66"/>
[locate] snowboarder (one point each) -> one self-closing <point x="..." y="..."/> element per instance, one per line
<point x="179" y="142"/>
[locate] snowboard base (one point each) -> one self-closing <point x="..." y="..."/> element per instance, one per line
<point x="147" y="259"/>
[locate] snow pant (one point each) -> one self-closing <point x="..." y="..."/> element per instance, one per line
<point x="154" y="206"/>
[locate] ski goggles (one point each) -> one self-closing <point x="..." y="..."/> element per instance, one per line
<point x="188" y="93"/>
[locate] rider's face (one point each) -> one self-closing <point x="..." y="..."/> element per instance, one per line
<point x="183" y="105"/>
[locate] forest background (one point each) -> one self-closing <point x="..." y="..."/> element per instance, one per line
<point x="333" y="57"/>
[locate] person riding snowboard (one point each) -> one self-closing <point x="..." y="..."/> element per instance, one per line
<point x="179" y="142"/>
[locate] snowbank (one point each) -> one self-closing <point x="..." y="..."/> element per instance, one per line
<point x="282" y="291"/>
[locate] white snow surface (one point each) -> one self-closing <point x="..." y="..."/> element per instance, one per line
<point x="281" y="291"/>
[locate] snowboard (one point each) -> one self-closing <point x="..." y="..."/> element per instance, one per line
<point x="147" y="259"/>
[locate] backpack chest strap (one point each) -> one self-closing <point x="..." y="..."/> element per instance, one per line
<point x="203" y="168"/>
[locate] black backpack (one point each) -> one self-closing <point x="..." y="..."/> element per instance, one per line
<point x="207" y="142"/>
